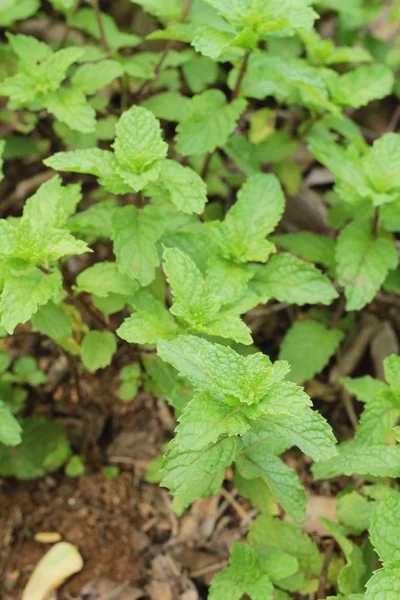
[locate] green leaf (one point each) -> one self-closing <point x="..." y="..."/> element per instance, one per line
<point x="256" y="462"/>
<point x="44" y="448"/>
<point x="26" y="288"/>
<point x="219" y="369"/>
<point x="169" y="10"/>
<point x="207" y="123"/>
<point x="360" y="86"/>
<point x="26" y="370"/>
<point x="374" y="460"/>
<point x="311" y="246"/>
<point x="391" y="366"/>
<point x="2" y="146"/>
<point x="385" y="529"/>
<point x="351" y="576"/>
<point x="169" y="106"/>
<point x="289" y="279"/>
<point x="103" y="279"/>
<point x="363" y="262"/>
<point x="135" y="233"/>
<point x="382" y="163"/>
<point x="151" y="323"/>
<point x="206" y="419"/>
<point x="199" y="73"/>
<point x="308" y="347"/>
<point x="10" y="430"/>
<point x="98" y="348"/>
<point x="94" y="161"/>
<point x="51" y="320"/>
<point x="354" y="511"/>
<point x="192" y="474"/>
<point x="93" y="77"/>
<point x="257" y="211"/>
<point x="363" y="388"/>
<point x="75" y="466"/>
<point x="268" y="534"/>
<point x="385" y="583"/>
<point x="130" y="376"/>
<point x="244" y="576"/>
<point x="16" y="10"/>
<point x="69" y="105"/>
<point x="379" y="417"/>
<point x="85" y="19"/>
<point x="139" y="147"/>
<point x="183" y="187"/>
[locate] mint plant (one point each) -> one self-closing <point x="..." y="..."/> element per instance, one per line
<point x="167" y="256"/>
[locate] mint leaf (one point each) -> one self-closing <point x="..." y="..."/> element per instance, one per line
<point x="98" y="348"/>
<point x="379" y="417"/>
<point x="308" y="346"/>
<point x="183" y="186"/>
<point x="197" y="474"/>
<point x="90" y="78"/>
<point x="26" y="288"/>
<point x="311" y="246"/>
<point x="384" y="529"/>
<point x="385" y="583"/>
<point x="257" y="211"/>
<point x="244" y="576"/>
<point x="10" y="430"/>
<point x="391" y="366"/>
<point x="69" y="105"/>
<point x="289" y="279"/>
<point x="257" y="462"/>
<point x="377" y="461"/>
<point x="362" y="85"/>
<point x="207" y="122"/>
<point x="138" y="147"/>
<point x="135" y="233"/>
<point x="363" y="262"/>
<point x="103" y="279"/>
<point x="363" y="388"/>
<point x="150" y="323"/>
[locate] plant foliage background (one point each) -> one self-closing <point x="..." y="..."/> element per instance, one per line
<point x="190" y="171"/>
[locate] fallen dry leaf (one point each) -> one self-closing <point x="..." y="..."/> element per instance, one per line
<point x="56" y="566"/>
<point x="47" y="537"/>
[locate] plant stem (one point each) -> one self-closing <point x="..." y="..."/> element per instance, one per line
<point x="103" y="38"/>
<point x="206" y="166"/>
<point x="324" y="571"/>
<point x="168" y="46"/>
<point x="241" y="74"/>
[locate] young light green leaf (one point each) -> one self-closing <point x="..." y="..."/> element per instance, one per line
<point x="98" y="348"/>
<point x="51" y="320"/>
<point x="183" y="186"/>
<point x="93" y="77"/>
<point x="130" y="375"/>
<point x="150" y="323"/>
<point x="379" y="417"/>
<point x="257" y="211"/>
<point x="135" y="233"/>
<point x="10" y="429"/>
<point x="363" y="262"/>
<point x="207" y="123"/>
<point x="26" y="288"/>
<point x="85" y="19"/>
<point x="360" y="86"/>
<point x="363" y="388"/>
<point x="385" y="529"/>
<point x="351" y="576"/>
<point x="385" y="583"/>
<point x="69" y="105"/>
<point x="391" y="366"/>
<point x="219" y="369"/>
<point x="308" y="346"/>
<point x="255" y="462"/>
<point x="103" y="279"/>
<point x="244" y="576"/>
<point x="289" y="279"/>
<point x="190" y="474"/>
<point x="139" y="147"/>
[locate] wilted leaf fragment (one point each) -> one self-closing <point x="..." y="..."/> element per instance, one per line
<point x="60" y="562"/>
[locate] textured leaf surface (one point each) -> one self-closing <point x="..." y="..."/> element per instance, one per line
<point x="103" y="279"/>
<point x="308" y="346"/>
<point x="308" y="245"/>
<point x="207" y="123"/>
<point x="184" y="187"/>
<point x="385" y="529"/>
<point x="289" y="279"/>
<point x="197" y="474"/>
<point x="385" y="583"/>
<point x="378" y="461"/>
<point x="135" y="233"/>
<point x="363" y="263"/>
<point x="257" y="211"/>
<point x="151" y="323"/>
<point x="243" y="576"/>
